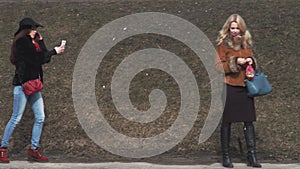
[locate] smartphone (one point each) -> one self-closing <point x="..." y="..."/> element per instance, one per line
<point x="37" y="36"/>
<point x="63" y="43"/>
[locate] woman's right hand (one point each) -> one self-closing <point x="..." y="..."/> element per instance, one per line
<point x="59" y="49"/>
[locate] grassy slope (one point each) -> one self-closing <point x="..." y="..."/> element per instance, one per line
<point x="273" y="24"/>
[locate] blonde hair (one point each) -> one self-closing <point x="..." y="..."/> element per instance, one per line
<point x="224" y="32"/>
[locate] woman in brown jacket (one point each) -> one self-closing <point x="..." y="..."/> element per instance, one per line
<point x="234" y="54"/>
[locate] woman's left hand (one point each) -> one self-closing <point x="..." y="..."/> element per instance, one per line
<point x="249" y="61"/>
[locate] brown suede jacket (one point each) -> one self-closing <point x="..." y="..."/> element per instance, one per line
<point x="226" y="62"/>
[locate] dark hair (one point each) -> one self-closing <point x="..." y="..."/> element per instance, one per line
<point x="19" y="35"/>
<point x="25" y="26"/>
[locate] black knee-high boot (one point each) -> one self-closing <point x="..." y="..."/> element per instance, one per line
<point x="225" y="140"/>
<point x="250" y="141"/>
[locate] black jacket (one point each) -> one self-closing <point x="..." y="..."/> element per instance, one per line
<point x="28" y="61"/>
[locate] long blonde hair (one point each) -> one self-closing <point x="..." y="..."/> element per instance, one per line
<point x="225" y="32"/>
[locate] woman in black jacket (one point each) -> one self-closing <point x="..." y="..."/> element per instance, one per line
<point x="28" y="54"/>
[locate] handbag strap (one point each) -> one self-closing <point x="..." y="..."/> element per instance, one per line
<point x="21" y="79"/>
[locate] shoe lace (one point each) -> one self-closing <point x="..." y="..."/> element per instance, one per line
<point x="37" y="153"/>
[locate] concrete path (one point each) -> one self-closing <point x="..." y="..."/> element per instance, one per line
<point x="117" y="165"/>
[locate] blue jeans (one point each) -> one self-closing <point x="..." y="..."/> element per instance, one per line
<point x="37" y="106"/>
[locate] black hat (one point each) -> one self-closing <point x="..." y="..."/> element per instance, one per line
<point x="27" y="23"/>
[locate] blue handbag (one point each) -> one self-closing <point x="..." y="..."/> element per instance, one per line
<point x="259" y="85"/>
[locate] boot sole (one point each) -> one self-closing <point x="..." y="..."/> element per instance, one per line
<point x="228" y="166"/>
<point x="30" y="159"/>
<point x="4" y="162"/>
<point x="249" y="164"/>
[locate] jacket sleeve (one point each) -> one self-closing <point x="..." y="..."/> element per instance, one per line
<point x="254" y="61"/>
<point x="46" y="55"/>
<point x="28" y="54"/>
<point x="224" y="63"/>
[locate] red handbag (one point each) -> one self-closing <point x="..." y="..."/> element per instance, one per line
<point x="32" y="86"/>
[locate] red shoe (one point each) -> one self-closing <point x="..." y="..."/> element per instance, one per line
<point x="34" y="155"/>
<point x="3" y="155"/>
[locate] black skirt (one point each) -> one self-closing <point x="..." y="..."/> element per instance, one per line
<point x="238" y="106"/>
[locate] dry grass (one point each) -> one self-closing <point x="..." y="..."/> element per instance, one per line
<point x="275" y="29"/>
